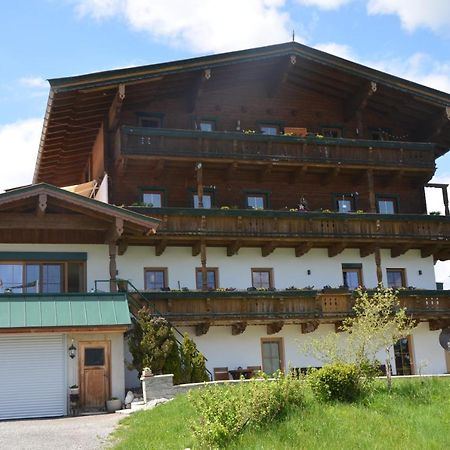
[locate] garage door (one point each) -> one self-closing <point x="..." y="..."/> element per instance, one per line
<point x="32" y="376"/>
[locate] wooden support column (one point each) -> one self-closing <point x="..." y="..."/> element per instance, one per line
<point x="370" y="183"/>
<point x="199" y="169"/>
<point x="112" y="266"/>
<point x="378" y="264"/>
<point x="203" y="262"/>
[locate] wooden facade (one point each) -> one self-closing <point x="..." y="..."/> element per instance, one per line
<point x="297" y="128"/>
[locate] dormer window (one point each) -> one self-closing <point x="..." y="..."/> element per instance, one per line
<point x="153" y="199"/>
<point x="149" y="120"/>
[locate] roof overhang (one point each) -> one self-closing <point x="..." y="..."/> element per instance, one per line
<point x="43" y="213"/>
<point x="77" y="105"/>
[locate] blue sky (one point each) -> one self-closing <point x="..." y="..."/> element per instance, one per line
<point x="44" y="39"/>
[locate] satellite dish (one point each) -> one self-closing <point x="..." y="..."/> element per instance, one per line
<point x="444" y="339"/>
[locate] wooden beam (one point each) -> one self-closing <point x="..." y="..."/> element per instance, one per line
<point x="115" y="231"/>
<point x="367" y="250"/>
<point x="309" y="327"/>
<point x="50" y="221"/>
<point x="371" y="189"/>
<point x="197" y="89"/>
<point x="238" y="328"/>
<point x="430" y="250"/>
<point x="274" y="327"/>
<point x="196" y="248"/>
<point x="280" y="75"/>
<point x="203" y="265"/>
<point x="233" y="248"/>
<point x="116" y="106"/>
<point x="336" y="249"/>
<point x="378" y="265"/>
<point x="202" y="328"/>
<point x="41" y="205"/>
<point x="438" y="324"/>
<point x="357" y="102"/>
<point x="441" y="121"/>
<point x="160" y="247"/>
<point x="400" y="250"/>
<point x="303" y="248"/>
<point x="122" y="246"/>
<point x="267" y="249"/>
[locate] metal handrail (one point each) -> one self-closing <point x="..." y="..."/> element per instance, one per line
<point x="155" y="311"/>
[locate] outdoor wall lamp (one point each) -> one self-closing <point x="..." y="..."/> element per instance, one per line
<point x="308" y="272"/>
<point x="72" y="350"/>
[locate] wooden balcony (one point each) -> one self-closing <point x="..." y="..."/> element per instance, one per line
<point x="289" y="150"/>
<point x="277" y="308"/>
<point x="301" y="231"/>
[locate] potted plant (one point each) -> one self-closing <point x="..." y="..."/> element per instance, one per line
<point x="113" y="404"/>
<point x="74" y="389"/>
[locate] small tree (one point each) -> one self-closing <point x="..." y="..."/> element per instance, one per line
<point x="153" y="344"/>
<point x="377" y="324"/>
<point x="193" y="362"/>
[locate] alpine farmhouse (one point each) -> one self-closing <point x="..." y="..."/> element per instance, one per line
<point x="243" y="196"/>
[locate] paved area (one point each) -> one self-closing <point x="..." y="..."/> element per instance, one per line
<point x="66" y="433"/>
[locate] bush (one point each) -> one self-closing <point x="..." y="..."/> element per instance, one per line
<point x="342" y="382"/>
<point x="225" y="410"/>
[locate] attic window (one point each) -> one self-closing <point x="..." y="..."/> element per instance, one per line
<point x="207" y="125"/>
<point x="270" y="130"/>
<point x="150" y="120"/>
<point x="332" y="132"/>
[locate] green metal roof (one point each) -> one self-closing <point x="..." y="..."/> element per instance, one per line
<point x="63" y="310"/>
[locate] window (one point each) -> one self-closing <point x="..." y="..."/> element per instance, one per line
<point x="155" y="278"/>
<point x="211" y="278"/>
<point x="331" y="132"/>
<point x="403" y="360"/>
<point x="262" y="278"/>
<point x="41" y="277"/>
<point x="271" y="130"/>
<point x="207" y="125"/>
<point x="345" y="203"/>
<point x="272" y="355"/>
<point x="94" y="356"/>
<point x="386" y="205"/>
<point x="256" y="201"/>
<point x="396" y="278"/>
<point x="150" y="120"/>
<point x="352" y="275"/>
<point x="153" y="198"/>
<point x="207" y="200"/>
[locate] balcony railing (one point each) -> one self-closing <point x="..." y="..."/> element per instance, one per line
<point x="241" y="146"/>
<point x="269" y="224"/>
<point x="194" y="307"/>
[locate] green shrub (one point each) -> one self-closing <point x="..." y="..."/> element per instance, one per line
<point x="342" y="382"/>
<point x="225" y="410"/>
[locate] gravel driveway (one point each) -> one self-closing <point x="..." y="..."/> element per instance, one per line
<point x="66" y="433"/>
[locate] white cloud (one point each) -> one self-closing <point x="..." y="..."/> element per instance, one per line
<point x="344" y="51"/>
<point x="19" y="142"/>
<point x="212" y="26"/>
<point x="34" y="82"/>
<point x="434" y="14"/>
<point x="325" y="4"/>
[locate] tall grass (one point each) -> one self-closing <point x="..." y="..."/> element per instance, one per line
<point x="414" y="415"/>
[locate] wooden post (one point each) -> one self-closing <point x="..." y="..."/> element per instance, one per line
<point x="203" y="262"/>
<point x="372" y="203"/>
<point x="445" y="198"/>
<point x="112" y="267"/>
<point x="378" y="264"/>
<point x="199" y="169"/>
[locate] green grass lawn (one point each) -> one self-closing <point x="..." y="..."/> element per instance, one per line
<point x="415" y="415"/>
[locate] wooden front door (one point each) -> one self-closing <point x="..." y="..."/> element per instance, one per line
<point x="95" y="359"/>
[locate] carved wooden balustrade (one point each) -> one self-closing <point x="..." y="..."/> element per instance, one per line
<point x="241" y="146"/>
<point x="194" y="308"/>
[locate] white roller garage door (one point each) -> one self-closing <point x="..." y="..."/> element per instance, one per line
<point x="32" y="376"/>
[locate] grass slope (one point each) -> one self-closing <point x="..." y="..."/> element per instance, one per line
<point x="415" y="415"/>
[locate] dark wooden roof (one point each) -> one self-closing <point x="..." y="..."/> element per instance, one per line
<point x="42" y="213"/>
<point x="77" y="105"/>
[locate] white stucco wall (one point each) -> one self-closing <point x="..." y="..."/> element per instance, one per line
<point x="117" y="360"/>
<point x="429" y="356"/>
<point x="288" y="270"/>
